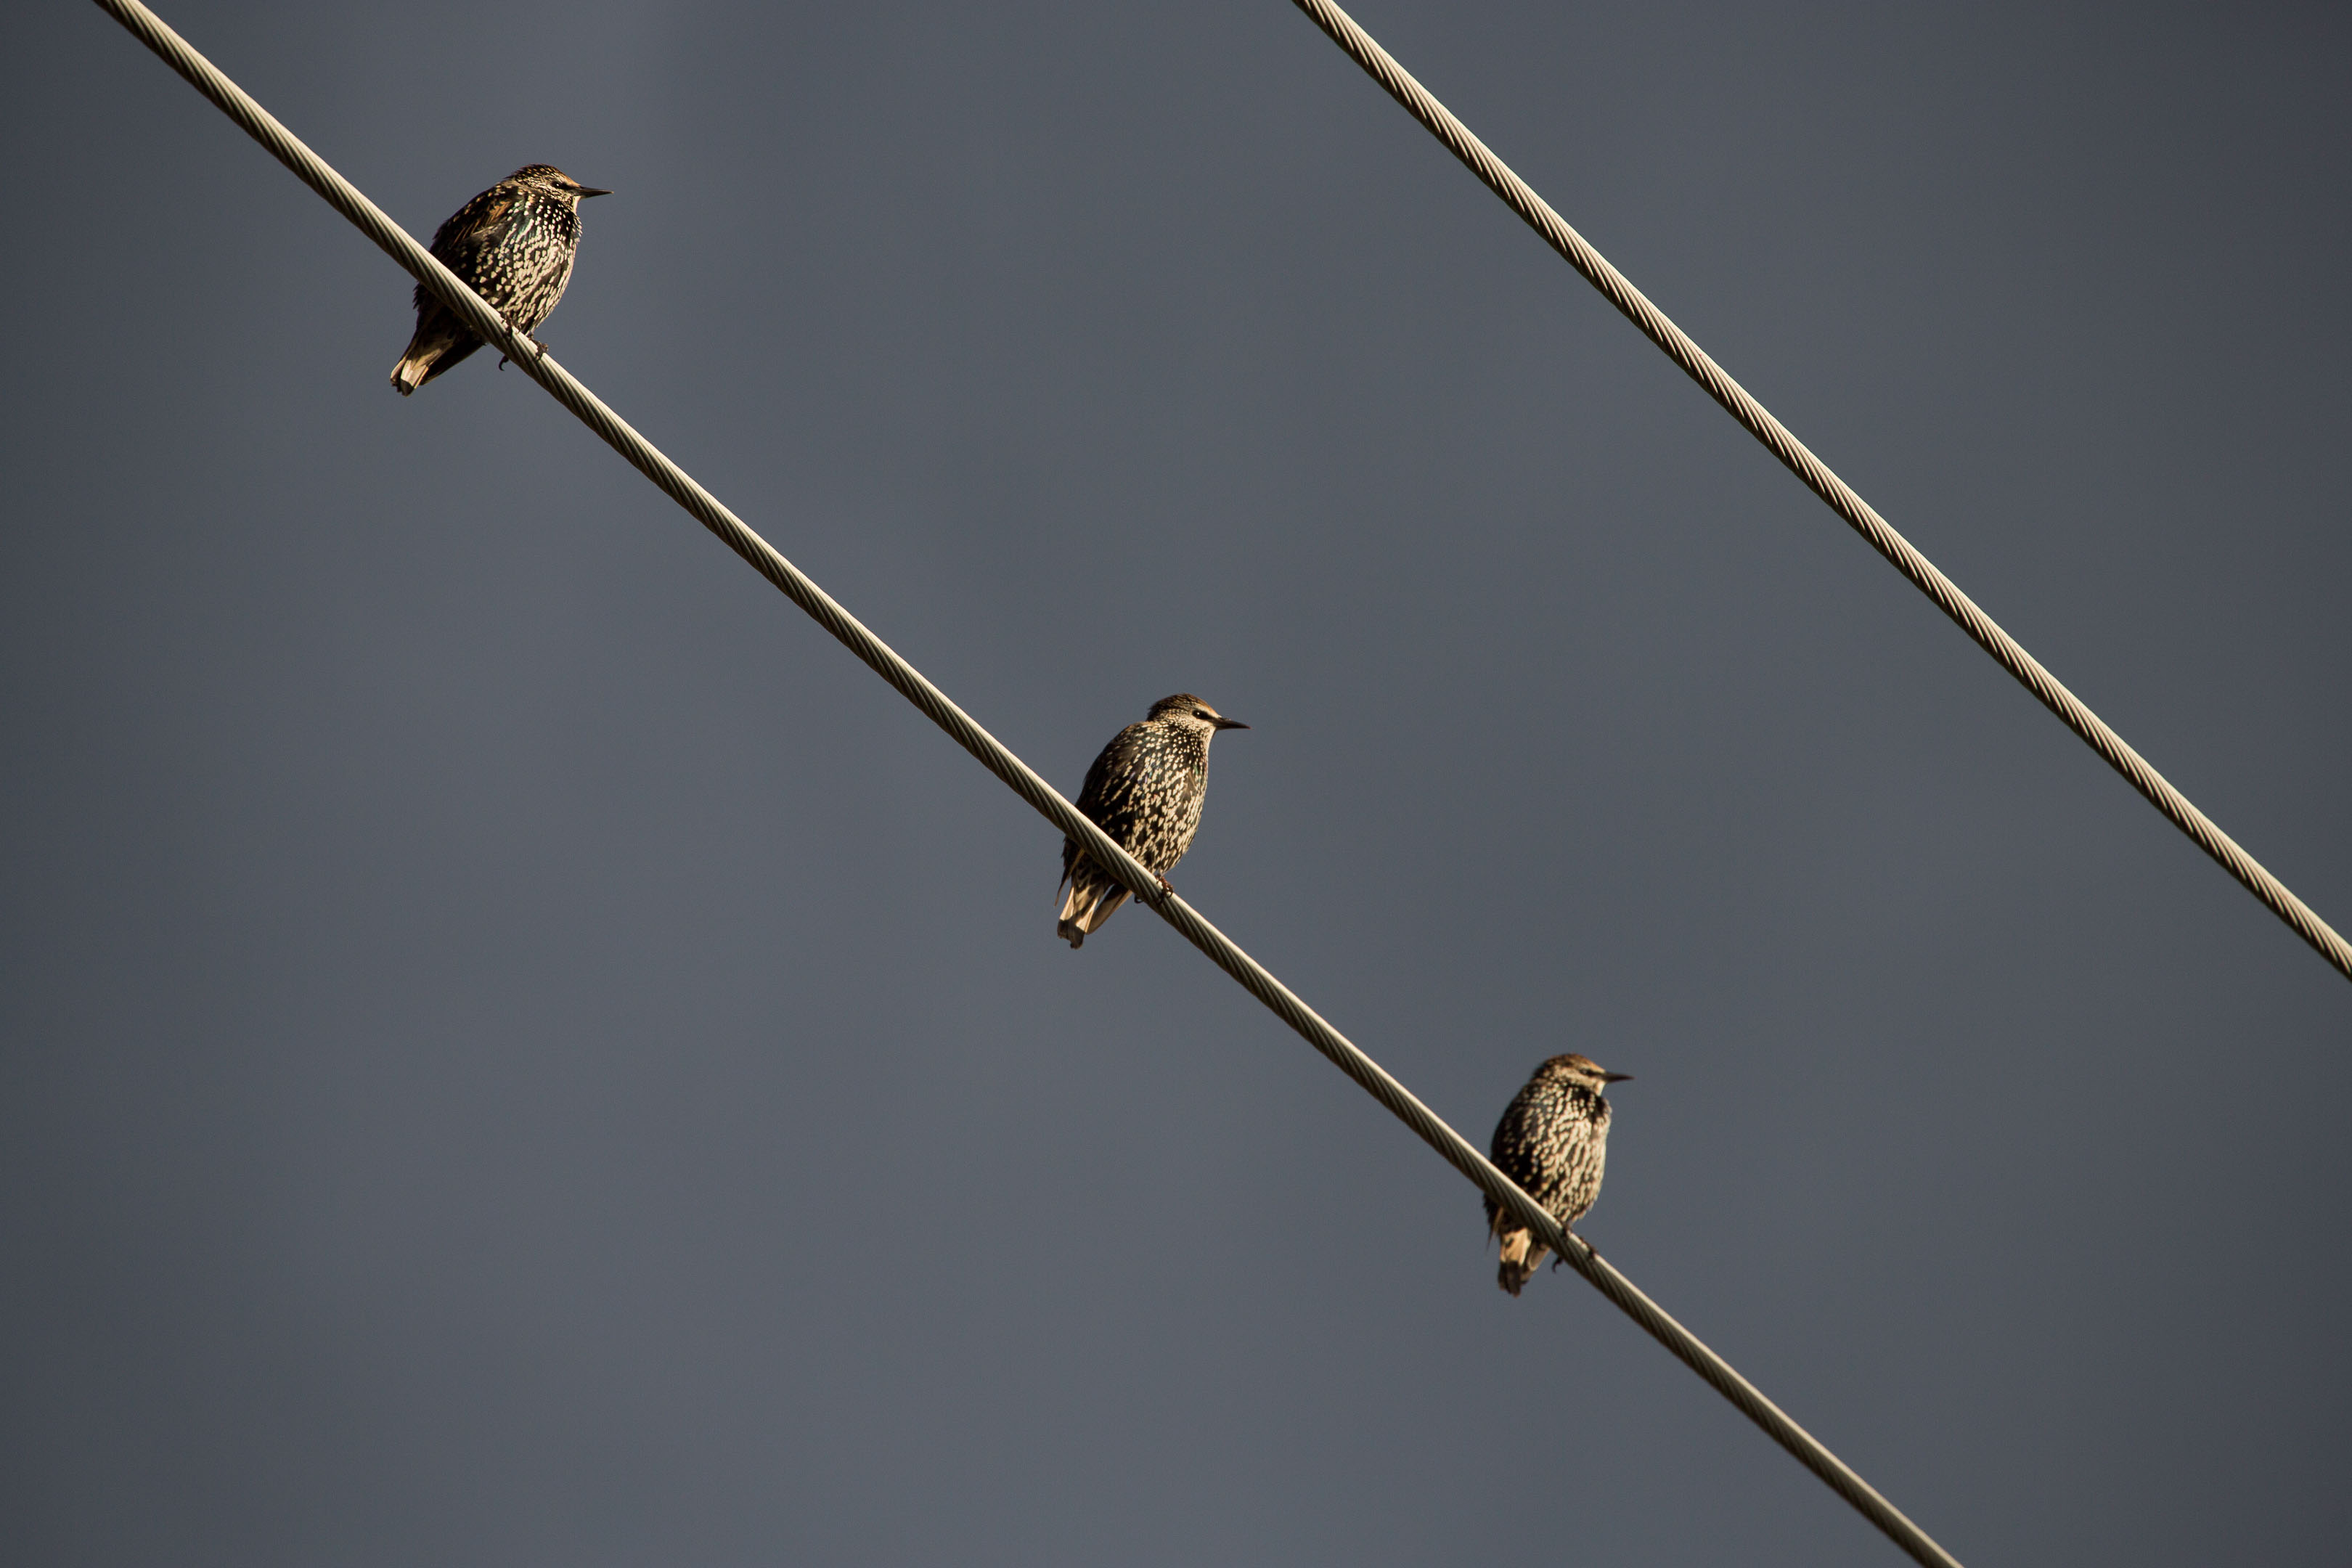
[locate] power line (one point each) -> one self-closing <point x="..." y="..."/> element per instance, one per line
<point x="707" y="510"/>
<point x="1515" y="193"/>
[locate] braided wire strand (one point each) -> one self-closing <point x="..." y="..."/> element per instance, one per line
<point x="1881" y="535"/>
<point x="1221" y="949"/>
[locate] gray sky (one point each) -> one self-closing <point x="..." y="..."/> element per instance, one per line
<point x="518" y="1049"/>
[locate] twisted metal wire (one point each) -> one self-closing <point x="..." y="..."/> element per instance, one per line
<point x="1981" y="629"/>
<point x="878" y="655"/>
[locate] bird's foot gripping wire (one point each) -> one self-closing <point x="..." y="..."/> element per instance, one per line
<point x="538" y="349"/>
<point x="1591" y="1253"/>
<point x="1167" y="890"/>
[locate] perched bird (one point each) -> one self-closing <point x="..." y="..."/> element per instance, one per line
<point x="1145" y="790"/>
<point x="514" y="246"/>
<point x="1552" y="1140"/>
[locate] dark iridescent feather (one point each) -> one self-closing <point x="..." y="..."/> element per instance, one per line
<point x="1146" y="790"/>
<point x="514" y="245"/>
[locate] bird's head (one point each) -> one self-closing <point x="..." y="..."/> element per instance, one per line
<point x="552" y="180"/>
<point x="1190" y="710"/>
<point x="1583" y="1072"/>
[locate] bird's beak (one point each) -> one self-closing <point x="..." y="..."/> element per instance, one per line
<point x="1616" y="1077"/>
<point x="584" y="192"/>
<point x="1231" y="724"/>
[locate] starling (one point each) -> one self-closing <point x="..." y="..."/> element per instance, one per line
<point x="1145" y="790"/>
<point x="1552" y="1140"/>
<point x="514" y="246"/>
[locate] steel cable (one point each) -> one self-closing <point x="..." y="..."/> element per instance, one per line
<point x="1515" y="193"/>
<point x="706" y="508"/>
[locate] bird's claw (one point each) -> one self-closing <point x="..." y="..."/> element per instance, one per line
<point x="538" y="350"/>
<point x="1591" y="1253"/>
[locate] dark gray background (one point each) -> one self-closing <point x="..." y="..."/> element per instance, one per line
<point x="519" y="1050"/>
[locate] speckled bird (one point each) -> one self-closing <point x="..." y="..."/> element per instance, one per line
<point x="514" y="246"/>
<point x="1552" y="1140"/>
<point x="1145" y="791"/>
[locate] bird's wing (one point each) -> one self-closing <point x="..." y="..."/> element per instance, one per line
<point x="1512" y="1147"/>
<point x="1112" y="798"/>
<point x="1121" y="784"/>
<point x="472" y="226"/>
<point x="472" y="229"/>
<point x="1513" y="1153"/>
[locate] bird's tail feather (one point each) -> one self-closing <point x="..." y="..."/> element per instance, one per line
<point x="1089" y="904"/>
<point x="438" y="345"/>
<point x="1521" y="1253"/>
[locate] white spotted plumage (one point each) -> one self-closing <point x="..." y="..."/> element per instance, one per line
<point x="514" y="245"/>
<point x="1553" y="1141"/>
<point x="1146" y="790"/>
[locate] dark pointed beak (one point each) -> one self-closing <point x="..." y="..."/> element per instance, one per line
<point x="586" y="191"/>
<point x="1616" y="1077"/>
<point x="1231" y="724"/>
